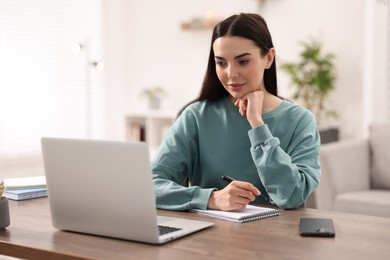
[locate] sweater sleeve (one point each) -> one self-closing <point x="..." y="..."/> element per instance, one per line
<point x="288" y="176"/>
<point x="175" y="162"/>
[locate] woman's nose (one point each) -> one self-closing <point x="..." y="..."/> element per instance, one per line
<point x="231" y="71"/>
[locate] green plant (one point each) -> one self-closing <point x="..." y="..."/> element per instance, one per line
<point x="153" y="92"/>
<point x="314" y="77"/>
<point x="154" y="95"/>
<point x="1" y="191"/>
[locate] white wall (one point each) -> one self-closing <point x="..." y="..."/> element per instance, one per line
<point x="146" y="47"/>
<point x="377" y="65"/>
<point x="341" y="27"/>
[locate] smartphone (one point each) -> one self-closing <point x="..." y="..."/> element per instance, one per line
<point x="316" y="227"/>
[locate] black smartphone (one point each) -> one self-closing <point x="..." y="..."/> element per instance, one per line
<point x="316" y="227"/>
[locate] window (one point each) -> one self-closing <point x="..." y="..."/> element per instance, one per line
<point x="378" y="62"/>
<point x="49" y="84"/>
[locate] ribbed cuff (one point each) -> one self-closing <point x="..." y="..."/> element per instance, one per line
<point x="201" y="197"/>
<point x="259" y="135"/>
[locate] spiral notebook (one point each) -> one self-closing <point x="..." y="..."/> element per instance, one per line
<point x="248" y="214"/>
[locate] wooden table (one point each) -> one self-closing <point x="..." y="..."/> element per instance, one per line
<point x="32" y="236"/>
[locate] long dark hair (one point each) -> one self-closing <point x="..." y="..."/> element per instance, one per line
<point x="249" y="26"/>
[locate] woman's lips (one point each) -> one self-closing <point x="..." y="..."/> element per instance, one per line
<point x="236" y="86"/>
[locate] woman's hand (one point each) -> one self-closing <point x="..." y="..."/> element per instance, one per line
<point x="251" y="105"/>
<point x="235" y="196"/>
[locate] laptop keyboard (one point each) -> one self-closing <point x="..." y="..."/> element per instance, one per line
<point x="165" y="229"/>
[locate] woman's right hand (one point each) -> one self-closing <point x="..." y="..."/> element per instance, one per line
<point x="251" y="106"/>
<point x="235" y="196"/>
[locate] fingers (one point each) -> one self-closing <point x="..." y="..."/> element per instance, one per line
<point x="243" y="102"/>
<point x="246" y="190"/>
<point x="235" y="196"/>
<point x="242" y="105"/>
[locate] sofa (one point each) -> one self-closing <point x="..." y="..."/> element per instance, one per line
<point x="355" y="174"/>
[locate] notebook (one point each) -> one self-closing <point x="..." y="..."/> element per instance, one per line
<point x="25" y="194"/>
<point x="105" y="188"/>
<point x="248" y="214"/>
<point x="25" y="182"/>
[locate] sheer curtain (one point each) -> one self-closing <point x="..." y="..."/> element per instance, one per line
<point x="50" y="83"/>
<point x="378" y="61"/>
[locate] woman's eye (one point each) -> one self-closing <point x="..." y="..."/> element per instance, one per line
<point x="220" y="63"/>
<point x="243" y="62"/>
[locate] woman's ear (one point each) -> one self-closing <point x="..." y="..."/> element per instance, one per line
<point x="270" y="57"/>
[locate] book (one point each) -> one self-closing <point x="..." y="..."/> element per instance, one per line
<point x="25" y="182"/>
<point x="248" y="214"/>
<point x="25" y="194"/>
<point x="136" y="132"/>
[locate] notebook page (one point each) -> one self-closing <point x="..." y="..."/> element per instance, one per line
<point x="248" y="214"/>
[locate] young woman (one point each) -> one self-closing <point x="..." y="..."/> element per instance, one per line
<point x="238" y="127"/>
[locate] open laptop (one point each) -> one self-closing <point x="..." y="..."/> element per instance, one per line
<point x="105" y="188"/>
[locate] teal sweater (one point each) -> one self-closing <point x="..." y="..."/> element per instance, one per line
<point x="211" y="139"/>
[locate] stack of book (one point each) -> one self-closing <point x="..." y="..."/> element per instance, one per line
<point x="25" y="188"/>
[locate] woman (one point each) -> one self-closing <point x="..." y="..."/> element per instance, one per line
<point x="238" y="127"/>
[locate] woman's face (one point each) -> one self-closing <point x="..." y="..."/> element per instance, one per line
<point x="240" y="65"/>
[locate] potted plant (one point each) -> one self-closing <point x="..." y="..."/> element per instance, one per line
<point x="4" y="209"/>
<point x="154" y="95"/>
<point x="314" y="76"/>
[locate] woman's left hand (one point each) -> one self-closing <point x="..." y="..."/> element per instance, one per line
<point x="251" y="105"/>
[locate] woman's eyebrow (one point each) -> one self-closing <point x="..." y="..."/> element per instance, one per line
<point x="237" y="57"/>
<point x="219" y="58"/>
<point x="242" y="55"/>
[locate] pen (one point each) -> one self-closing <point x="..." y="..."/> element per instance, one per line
<point x="230" y="179"/>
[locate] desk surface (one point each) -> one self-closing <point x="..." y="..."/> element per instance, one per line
<point x="32" y="236"/>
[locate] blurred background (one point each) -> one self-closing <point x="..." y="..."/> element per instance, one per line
<point x="88" y="69"/>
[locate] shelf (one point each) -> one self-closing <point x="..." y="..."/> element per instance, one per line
<point x="149" y="126"/>
<point x="206" y="22"/>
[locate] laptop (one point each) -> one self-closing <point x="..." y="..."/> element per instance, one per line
<point x="105" y="188"/>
